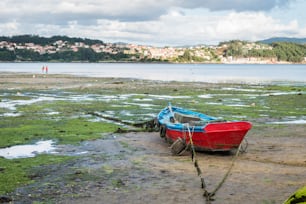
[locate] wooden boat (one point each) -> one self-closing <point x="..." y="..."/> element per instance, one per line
<point x="207" y="133"/>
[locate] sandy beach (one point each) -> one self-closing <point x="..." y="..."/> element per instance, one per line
<point x="138" y="167"/>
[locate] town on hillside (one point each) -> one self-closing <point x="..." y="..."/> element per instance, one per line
<point x="34" y="48"/>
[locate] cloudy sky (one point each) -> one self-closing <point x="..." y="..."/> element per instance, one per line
<point x="155" y="22"/>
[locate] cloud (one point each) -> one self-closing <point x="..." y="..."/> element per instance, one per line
<point x="222" y="27"/>
<point x="175" y="28"/>
<point x="60" y="12"/>
<point x="157" y="22"/>
<point x="236" y="5"/>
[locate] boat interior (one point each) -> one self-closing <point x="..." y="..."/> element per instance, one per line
<point x="182" y="118"/>
<point x="192" y="120"/>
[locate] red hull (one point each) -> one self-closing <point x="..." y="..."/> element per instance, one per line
<point x="215" y="136"/>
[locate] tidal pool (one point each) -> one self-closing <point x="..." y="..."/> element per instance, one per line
<point x="289" y="122"/>
<point x="29" y="150"/>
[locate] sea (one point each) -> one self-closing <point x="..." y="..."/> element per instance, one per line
<point x="211" y="73"/>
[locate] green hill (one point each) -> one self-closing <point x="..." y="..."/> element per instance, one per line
<point x="46" y="41"/>
<point x="283" y="39"/>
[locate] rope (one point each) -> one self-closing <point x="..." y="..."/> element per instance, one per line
<point x="228" y="171"/>
<point x="196" y="165"/>
<point x="206" y="194"/>
<point x="185" y="137"/>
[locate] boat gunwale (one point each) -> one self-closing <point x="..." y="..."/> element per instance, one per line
<point x="164" y="119"/>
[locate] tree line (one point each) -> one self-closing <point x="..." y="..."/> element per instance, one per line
<point x="83" y="54"/>
<point x="281" y="51"/>
<point x="22" y="39"/>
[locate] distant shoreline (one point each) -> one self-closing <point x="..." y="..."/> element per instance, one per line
<point x="263" y="62"/>
<point x="196" y="72"/>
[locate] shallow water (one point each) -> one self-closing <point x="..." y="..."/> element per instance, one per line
<point x="29" y="150"/>
<point x="10" y="114"/>
<point x="214" y="73"/>
<point x="289" y="122"/>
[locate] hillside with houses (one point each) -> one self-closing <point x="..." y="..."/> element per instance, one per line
<point x="66" y="49"/>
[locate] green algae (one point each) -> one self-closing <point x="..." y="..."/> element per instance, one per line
<point x="298" y="197"/>
<point x="65" y="118"/>
<point x="21" y="130"/>
<point x="17" y="172"/>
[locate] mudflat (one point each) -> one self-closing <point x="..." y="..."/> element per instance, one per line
<point x="138" y="167"/>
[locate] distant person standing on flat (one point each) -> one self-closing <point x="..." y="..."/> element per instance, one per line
<point x="43" y="69"/>
<point x="46" y="69"/>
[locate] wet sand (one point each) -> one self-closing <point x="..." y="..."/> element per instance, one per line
<point x="268" y="172"/>
<point x="139" y="167"/>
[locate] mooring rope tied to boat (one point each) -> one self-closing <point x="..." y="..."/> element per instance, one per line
<point x="209" y="195"/>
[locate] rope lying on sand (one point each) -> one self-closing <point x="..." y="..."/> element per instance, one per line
<point x="209" y="195"/>
<point x="148" y="125"/>
<point x="196" y="165"/>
